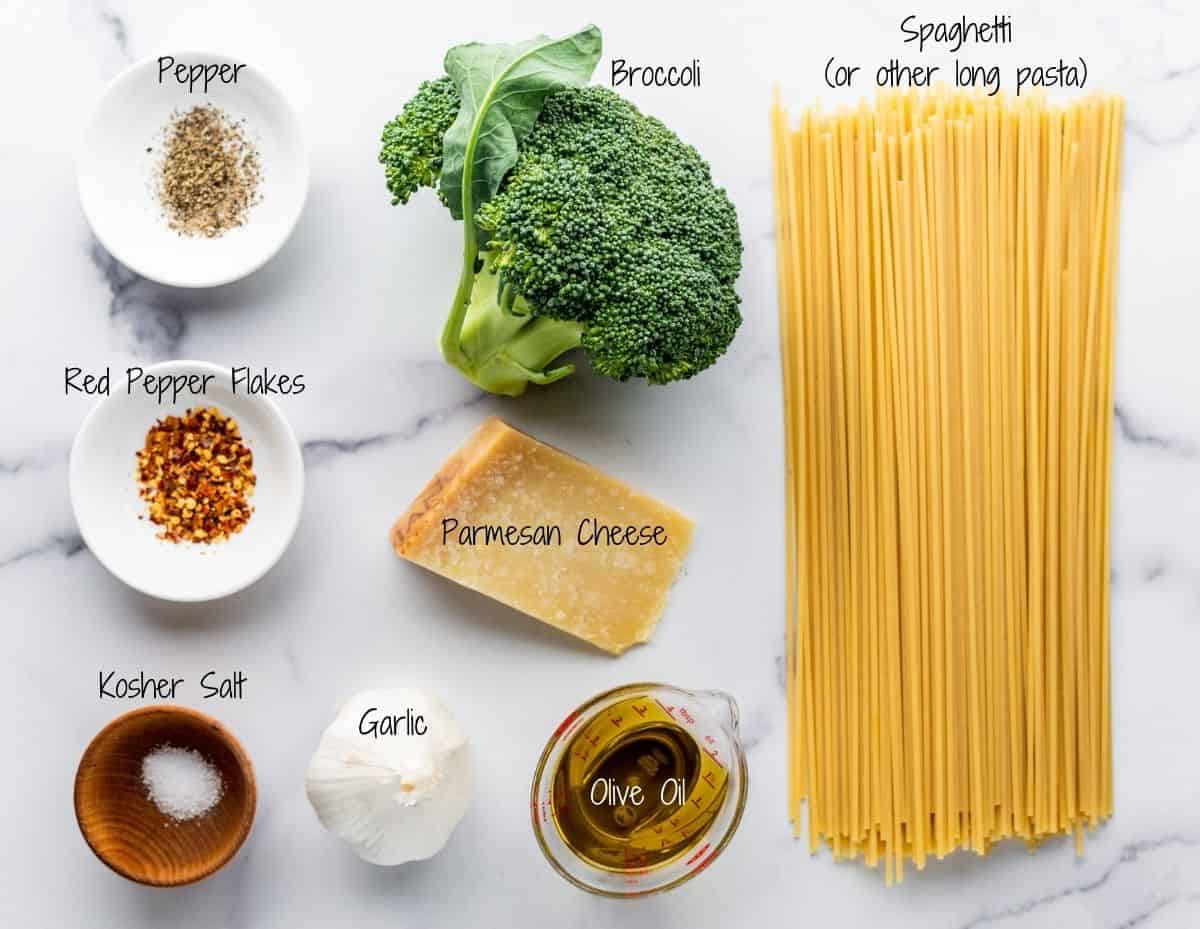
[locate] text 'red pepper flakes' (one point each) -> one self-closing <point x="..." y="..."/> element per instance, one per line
<point x="196" y="475"/>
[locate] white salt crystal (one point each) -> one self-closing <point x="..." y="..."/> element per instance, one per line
<point x="181" y="782"/>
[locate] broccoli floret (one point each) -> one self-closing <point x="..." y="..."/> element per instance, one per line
<point x="412" y="142"/>
<point x="608" y="233"/>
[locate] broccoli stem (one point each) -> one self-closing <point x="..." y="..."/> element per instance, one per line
<point x="504" y="347"/>
<point x="452" y="349"/>
<point x="495" y="341"/>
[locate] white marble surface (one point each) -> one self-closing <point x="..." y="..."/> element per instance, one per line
<point x="355" y="301"/>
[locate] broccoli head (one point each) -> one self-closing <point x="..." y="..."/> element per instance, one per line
<point x="607" y="233"/>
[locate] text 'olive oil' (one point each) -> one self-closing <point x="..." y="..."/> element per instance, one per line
<point x="634" y="789"/>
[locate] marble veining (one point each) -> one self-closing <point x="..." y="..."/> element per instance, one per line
<point x="115" y="26"/>
<point x="144" y="308"/>
<point x="321" y="452"/>
<point x="1130" y="431"/>
<point x="67" y="545"/>
<point x="1130" y="853"/>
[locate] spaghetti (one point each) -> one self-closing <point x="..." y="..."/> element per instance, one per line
<point x="947" y="271"/>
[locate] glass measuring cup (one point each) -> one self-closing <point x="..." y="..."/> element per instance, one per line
<point x="710" y="719"/>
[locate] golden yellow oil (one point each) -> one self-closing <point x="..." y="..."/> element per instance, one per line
<point x="634" y="797"/>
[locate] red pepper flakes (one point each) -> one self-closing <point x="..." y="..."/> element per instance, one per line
<point x="195" y="474"/>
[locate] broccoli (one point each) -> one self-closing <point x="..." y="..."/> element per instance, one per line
<point x="606" y="233"/>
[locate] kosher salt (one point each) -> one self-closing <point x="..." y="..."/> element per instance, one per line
<point x="181" y="782"/>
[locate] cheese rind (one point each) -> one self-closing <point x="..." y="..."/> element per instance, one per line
<point x="610" y="595"/>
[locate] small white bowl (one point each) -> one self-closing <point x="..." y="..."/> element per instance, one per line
<point x="117" y="174"/>
<point x="104" y="491"/>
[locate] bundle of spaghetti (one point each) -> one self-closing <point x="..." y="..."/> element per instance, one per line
<point x="947" y="273"/>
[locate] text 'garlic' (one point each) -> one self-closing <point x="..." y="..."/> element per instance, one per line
<point x="392" y="776"/>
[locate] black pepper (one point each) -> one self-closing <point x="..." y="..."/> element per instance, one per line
<point x="209" y="175"/>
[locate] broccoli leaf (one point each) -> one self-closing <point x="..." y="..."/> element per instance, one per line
<point x="503" y="88"/>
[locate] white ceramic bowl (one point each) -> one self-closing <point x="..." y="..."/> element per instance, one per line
<point x="117" y="174"/>
<point x="104" y="491"/>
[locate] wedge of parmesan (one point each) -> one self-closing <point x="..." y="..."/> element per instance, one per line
<point x="547" y="534"/>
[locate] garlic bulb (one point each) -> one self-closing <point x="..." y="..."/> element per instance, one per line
<point x="392" y="776"/>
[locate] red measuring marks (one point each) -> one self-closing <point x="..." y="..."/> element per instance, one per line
<point x="562" y="727"/>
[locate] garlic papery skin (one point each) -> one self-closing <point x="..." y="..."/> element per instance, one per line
<point x="396" y="797"/>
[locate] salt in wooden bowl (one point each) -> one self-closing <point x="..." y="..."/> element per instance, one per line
<point x="124" y="827"/>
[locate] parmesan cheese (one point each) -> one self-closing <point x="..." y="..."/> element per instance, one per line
<point x="603" y="576"/>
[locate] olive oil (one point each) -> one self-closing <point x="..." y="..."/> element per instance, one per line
<point x="634" y="790"/>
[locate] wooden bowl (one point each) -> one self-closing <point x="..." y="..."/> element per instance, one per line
<point x="124" y="827"/>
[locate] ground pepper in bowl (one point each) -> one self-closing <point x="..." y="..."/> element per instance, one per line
<point x="209" y="173"/>
<point x="196" y="475"/>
